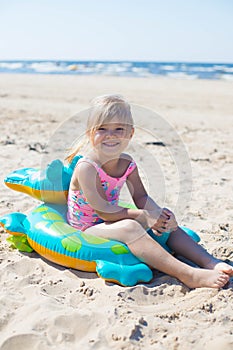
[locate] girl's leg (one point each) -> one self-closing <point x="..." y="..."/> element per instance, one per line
<point x="185" y="246"/>
<point x="149" y="251"/>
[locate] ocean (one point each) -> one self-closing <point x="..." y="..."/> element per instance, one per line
<point x="184" y="70"/>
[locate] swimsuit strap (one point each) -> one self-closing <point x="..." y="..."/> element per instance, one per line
<point x="130" y="169"/>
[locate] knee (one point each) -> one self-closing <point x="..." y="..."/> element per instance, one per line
<point x="132" y="225"/>
<point x="133" y="230"/>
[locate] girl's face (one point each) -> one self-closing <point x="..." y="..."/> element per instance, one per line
<point x="112" y="138"/>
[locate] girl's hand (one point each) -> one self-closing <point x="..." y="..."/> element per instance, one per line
<point x="156" y="220"/>
<point x="165" y="223"/>
<point x="171" y="223"/>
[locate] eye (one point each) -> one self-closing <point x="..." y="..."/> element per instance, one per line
<point x="101" y="128"/>
<point x="120" y="129"/>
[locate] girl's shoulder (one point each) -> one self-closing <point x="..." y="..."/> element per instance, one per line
<point x="85" y="165"/>
<point x="83" y="171"/>
<point x="126" y="157"/>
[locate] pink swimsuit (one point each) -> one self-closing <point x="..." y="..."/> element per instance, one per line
<point x="80" y="214"/>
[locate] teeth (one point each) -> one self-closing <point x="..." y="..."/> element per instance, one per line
<point x="111" y="144"/>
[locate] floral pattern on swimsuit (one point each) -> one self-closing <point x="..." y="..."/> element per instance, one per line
<point x="80" y="214"/>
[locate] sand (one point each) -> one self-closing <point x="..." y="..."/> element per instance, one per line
<point x="45" y="306"/>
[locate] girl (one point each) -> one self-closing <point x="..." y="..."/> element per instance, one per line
<point x="94" y="193"/>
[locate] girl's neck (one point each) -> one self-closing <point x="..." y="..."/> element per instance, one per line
<point x="105" y="163"/>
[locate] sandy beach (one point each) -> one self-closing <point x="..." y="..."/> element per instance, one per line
<point x="46" y="306"/>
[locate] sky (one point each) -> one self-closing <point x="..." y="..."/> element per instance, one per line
<point x="138" y="30"/>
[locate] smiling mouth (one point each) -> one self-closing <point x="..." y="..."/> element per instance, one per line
<point x="110" y="144"/>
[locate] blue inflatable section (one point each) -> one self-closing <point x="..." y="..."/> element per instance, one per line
<point x="46" y="230"/>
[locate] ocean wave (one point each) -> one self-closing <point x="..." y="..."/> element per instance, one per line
<point x="168" y="67"/>
<point x="202" y="69"/>
<point x="181" y="75"/>
<point x="46" y="67"/>
<point x="140" y="71"/>
<point x="228" y="69"/>
<point x="11" y="65"/>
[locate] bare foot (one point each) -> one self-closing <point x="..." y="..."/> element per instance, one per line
<point x="198" y="278"/>
<point x="219" y="265"/>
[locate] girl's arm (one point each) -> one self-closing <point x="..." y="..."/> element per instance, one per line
<point x="157" y="218"/>
<point x="86" y="177"/>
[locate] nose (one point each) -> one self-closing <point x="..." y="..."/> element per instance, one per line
<point x="110" y="133"/>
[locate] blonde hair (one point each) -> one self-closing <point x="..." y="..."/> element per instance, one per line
<point x="103" y="109"/>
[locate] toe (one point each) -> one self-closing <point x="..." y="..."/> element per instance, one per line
<point x="228" y="269"/>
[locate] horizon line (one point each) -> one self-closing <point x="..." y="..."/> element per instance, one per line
<point x="115" y="60"/>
